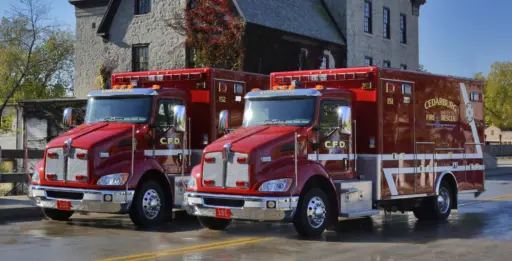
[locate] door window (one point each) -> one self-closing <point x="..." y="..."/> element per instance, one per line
<point x="165" y="114"/>
<point x="329" y="116"/>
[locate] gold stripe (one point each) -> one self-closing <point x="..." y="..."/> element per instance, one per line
<point x="181" y="249"/>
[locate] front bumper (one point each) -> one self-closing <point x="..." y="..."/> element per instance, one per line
<point x="241" y="207"/>
<point x="83" y="200"/>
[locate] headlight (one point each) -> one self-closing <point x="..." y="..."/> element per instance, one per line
<point x="276" y="185"/>
<point x="35" y="177"/>
<point x="191" y="183"/>
<point x="117" y="179"/>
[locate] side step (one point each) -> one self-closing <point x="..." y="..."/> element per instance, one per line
<point x="360" y="214"/>
<point x="355" y="197"/>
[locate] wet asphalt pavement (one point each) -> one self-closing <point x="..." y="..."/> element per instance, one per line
<point x="480" y="230"/>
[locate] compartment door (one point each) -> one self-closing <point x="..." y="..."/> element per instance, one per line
<point x="229" y="96"/>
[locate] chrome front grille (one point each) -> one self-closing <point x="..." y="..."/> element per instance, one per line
<point x="228" y="176"/>
<point x="60" y="167"/>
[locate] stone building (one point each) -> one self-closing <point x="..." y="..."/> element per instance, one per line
<point x="133" y="35"/>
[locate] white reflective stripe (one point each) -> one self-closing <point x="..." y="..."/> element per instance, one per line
<point x="472" y="123"/>
<point x="388" y="172"/>
<point x="329" y="156"/>
<point x="439" y="156"/>
<point x="175" y="152"/>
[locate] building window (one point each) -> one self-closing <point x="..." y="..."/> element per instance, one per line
<point x="403" y="29"/>
<point x="142" y="7"/>
<point x="387" y="64"/>
<point x="387" y="27"/>
<point x="368" y="17"/>
<point x="403" y="66"/>
<point x="368" y="61"/>
<point x="140" y="58"/>
<point x="325" y="62"/>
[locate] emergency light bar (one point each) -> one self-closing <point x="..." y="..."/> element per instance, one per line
<point x="323" y="77"/>
<point x="160" y="77"/>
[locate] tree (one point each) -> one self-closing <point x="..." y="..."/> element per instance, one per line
<point x="214" y="34"/>
<point x="422" y="68"/>
<point x="497" y="94"/>
<point x="35" y="54"/>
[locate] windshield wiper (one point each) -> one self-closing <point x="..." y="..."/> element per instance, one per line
<point x="274" y="122"/>
<point x="110" y="119"/>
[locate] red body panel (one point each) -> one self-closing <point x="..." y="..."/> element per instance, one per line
<point x="395" y="135"/>
<point x="197" y="88"/>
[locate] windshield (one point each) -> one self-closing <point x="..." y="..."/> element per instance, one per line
<point x="125" y="109"/>
<point x="289" y="112"/>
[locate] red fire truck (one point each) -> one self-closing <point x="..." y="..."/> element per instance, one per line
<point x="134" y="152"/>
<point x="344" y="143"/>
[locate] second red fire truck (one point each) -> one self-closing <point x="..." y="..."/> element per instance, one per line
<point x="139" y="142"/>
<point x="326" y="144"/>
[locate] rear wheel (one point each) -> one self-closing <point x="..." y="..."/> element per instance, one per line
<point x="436" y="208"/>
<point x="312" y="213"/>
<point x="56" y="214"/>
<point x="214" y="223"/>
<point x="149" y="206"/>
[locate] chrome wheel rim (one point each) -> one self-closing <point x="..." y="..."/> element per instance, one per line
<point x="151" y="204"/>
<point x="316" y="212"/>
<point x="443" y="200"/>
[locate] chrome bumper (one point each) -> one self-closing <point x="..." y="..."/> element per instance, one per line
<point x="249" y="207"/>
<point x="92" y="200"/>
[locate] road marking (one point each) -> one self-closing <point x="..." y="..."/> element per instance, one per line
<point x="189" y="249"/>
<point x="487" y="199"/>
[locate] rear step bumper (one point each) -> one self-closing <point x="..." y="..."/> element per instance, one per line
<point x="82" y="200"/>
<point x="241" y="207"/>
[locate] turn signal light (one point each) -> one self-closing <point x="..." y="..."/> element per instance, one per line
<point x="208" y="182"/>
<point x="241" y="184"/>
<point x="241" y="160"/>
<point x="209" y="160"/>
<point x="51" y="176"/>
<point x="81" y="155"/>
<point x="81" y="178"/>
<point x="52" y="155"/>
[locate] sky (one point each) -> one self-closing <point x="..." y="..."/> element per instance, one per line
<point x="456" y="37"/>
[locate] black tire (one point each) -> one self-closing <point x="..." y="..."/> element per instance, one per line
<point x="214" y="223"/>
<point x="301" y="221"/>
<point x="436" y="208"/>
<point x="57" y="214"/>
<point x="150" y="195"/>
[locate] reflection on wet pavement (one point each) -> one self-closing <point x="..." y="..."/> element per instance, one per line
<point x="480" y="231"/>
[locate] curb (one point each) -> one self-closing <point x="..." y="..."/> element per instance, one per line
<point x="20" y="214"/>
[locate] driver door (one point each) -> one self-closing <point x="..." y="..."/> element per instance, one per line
<point x="334" y="146"/>
<point x="168" y="143"/>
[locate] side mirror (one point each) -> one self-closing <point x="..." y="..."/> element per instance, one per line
<point x="223" y="121"/>
<point x="67" y="119"/>
<point x="180" y="118"/>
<point x="345" y="119"/>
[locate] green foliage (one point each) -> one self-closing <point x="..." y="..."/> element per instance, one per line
<point x="422" y="68"/>
<point x="498" y="94"/>
<point x="35" y="55"/>
<point x="6" y="124"/>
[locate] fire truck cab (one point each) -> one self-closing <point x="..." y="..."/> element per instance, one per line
<point x="344" y="143"/>
<point x="140" y="139"/>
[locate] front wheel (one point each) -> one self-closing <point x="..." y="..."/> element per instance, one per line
<point x="149" y="206"/>
<point x="56" y="214"/>
<point x="214" y="223"/>
<point x="312" y="213"/>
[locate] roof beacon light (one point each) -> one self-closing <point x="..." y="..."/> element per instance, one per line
<point x="319" y="87"/>
<point x="156" y="87"/>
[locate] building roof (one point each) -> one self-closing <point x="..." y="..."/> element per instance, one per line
<point x="309" y="18"/>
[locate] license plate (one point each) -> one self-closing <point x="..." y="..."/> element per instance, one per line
<point x="224" y="213"/>
<point x="63" y="205"/>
